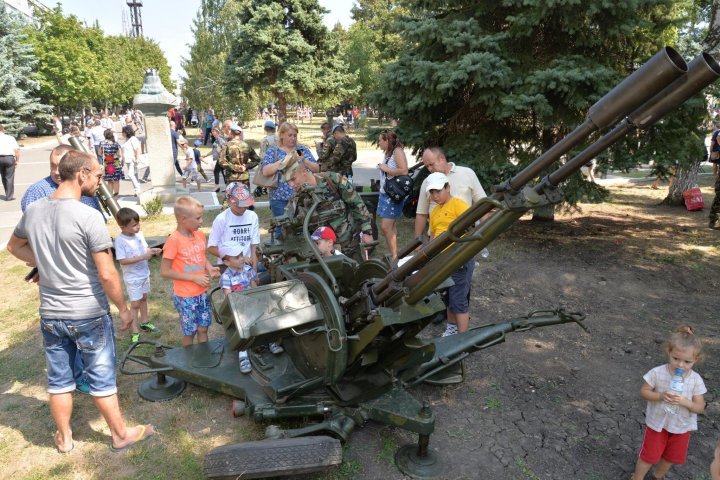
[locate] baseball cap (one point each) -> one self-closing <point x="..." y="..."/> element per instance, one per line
<point x="238" y="194"/>
<point x="337" y="127"/>
<point x="436" y="181"/>
<point x="326" y="233"/>
<point x="230" y="249"/>
<point x="235" y="128"/>
<point x="197" y="143"/>
<point x="270" y="124"/>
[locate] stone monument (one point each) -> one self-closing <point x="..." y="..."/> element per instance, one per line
<point x="154" y="101"/>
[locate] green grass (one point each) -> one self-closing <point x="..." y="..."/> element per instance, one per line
<point x="525" y="469"/>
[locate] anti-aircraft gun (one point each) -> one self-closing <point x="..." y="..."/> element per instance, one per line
<point x="351" y="330"/>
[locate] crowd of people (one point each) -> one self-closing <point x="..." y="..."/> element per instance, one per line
<point x="63" y="234"/>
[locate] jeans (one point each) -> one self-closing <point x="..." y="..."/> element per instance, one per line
<point x="93" y="339"/>
<point x="217" y="171"/>
<point x="208" y="136"/>
<point x="277" y="207"/>
<point x="7" y="172"/>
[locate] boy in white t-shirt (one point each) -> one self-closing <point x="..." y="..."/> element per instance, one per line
<point x="191" y="171"/>
<point x="132" y="252"/>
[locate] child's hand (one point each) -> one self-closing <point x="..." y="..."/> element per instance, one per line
<point x="156" y="251"/>
<point x="672" y="398"/>
<point x="214" y="272"/>
<point x="202" y="280"/>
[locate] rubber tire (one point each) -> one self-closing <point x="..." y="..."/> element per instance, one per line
<point x="273" y="458"/>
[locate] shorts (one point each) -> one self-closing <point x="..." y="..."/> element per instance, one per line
<point x="137" y="288"/>
<point x="386" y="208"/>
<point x="94" y="340"/>
<point x="672" y="447"/>
<point x="194" y="312"/>
<point x="457" y="297"/>
<point x="192" y="175"/>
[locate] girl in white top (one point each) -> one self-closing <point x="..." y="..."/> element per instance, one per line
<point x="667" y="435"/>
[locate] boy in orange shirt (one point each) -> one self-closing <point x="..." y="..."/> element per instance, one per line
<point x="184" y="262"/>
<point x="448" y="208"/>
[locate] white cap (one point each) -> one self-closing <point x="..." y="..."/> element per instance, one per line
<point x="232" y="249"/>
<point x="436" y="181"/>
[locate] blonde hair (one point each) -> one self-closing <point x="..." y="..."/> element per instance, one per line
<point x="183" y="206"/>
<point x="284" y="128"/>
<point x="683" y="337"/>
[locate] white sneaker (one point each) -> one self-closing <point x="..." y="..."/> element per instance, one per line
<point x="276" y="349"/>
<point x="245" y="365"/>
<point x="449" y="332"/>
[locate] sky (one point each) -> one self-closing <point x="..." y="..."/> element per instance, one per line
<point x="168" y="23"/>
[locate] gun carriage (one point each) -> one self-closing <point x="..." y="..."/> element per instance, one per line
<point x="351" y="329"/>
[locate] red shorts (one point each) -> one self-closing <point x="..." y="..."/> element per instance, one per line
<point x="672" y="447"/>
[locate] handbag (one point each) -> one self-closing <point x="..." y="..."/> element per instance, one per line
<point x="693" y="199"/>
<point x="398" y="188"/>
<point x="261" y="180"/>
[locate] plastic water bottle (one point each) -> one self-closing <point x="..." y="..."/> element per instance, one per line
<point x="676" y="385"/>
<point x="484" y="253"/>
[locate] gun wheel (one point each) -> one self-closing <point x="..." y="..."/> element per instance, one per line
<point x="272" y="458"/>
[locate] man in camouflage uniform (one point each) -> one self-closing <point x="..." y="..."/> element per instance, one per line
<point x="325" y="148"/>
<point x="715" y="208"/>
<point x="340" y="206"/>
<point x="237" y="157"/>
<point x="343" y="154"/>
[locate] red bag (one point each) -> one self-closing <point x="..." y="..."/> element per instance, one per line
<point x="693" y="199"/>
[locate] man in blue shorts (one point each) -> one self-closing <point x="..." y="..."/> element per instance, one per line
<point x="70" y="246"/>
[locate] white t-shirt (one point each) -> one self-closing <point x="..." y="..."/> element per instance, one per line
<point x="8" y="144"/>
<point x="190" y="154"/>
<point x="107" y="122"/>
<point x="228" y="227"/>
<point x="97" y="135"/>
<point x="464" y="185"/>
<point x="130" y="247"/>
<point x="656" y="417"/>
<point x="129" y="148"/>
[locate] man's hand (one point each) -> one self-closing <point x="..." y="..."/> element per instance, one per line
<point x="125" y="319"/>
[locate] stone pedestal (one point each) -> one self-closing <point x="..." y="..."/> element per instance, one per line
<point x="154" y="101"/>
<point x="162" y="169"/>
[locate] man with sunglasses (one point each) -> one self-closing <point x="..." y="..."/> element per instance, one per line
<point x="70" y="246"/>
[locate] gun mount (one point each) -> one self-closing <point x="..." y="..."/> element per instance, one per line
<point x="351" y="329"/>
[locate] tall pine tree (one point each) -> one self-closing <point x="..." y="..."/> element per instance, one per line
<point x="283" y="48"/>
<point x="18" y="82"/>
<point x="498" y="83"/>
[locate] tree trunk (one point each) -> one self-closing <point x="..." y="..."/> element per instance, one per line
<point x="684" y="178"/>
<point x="711" y="43"/>
<point x="281" y="107"/>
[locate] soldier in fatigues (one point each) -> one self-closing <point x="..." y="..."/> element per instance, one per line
<point x="341" y="206"/>
<point x="325" y="148"/>
<point x="343" y="155"/>
<point x="715" y="208"/>
<point x="237" y="157"/>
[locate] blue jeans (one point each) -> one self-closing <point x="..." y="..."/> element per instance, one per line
<point x="277" y="207"/>
<point x="93" y="339"/>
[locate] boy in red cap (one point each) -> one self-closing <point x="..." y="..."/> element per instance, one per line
<point x="325" y="238"/>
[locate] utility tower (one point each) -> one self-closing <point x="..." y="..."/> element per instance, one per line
<point x="135" y="18"/>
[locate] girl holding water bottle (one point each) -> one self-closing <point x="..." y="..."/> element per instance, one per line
<point x="671" y="415"/>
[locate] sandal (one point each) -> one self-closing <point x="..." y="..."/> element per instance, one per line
<point x="141" y="436"/>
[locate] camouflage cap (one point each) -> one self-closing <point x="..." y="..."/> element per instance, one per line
<point x="290" y="167"/>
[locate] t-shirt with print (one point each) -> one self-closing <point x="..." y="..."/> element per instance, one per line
<point x="188" y="256"/>
<point x="237" y="280"/>
<point x="127" y="246"/>
<point x="656" y="417"/>
<point x="228" y="227"/>
<point x="443" y="215"/>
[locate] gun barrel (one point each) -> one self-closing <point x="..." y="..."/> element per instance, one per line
<point x="104" y="195"/>
<point x="648" y="94"/>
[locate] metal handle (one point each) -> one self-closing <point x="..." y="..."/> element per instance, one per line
<point x="142" y="360"/>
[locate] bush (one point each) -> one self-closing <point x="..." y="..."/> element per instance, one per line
<point x="153" y="207"/>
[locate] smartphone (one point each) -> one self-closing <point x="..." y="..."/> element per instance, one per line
<point x="31" y="274"/>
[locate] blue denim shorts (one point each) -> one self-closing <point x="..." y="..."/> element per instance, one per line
<point x="386" y="208"/>
<point x="457" y="297"/>
<point x="94" y="340"/>
<point x="194" y="312"/>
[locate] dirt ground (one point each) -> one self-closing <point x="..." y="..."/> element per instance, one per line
<point x="551" y="403"/>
